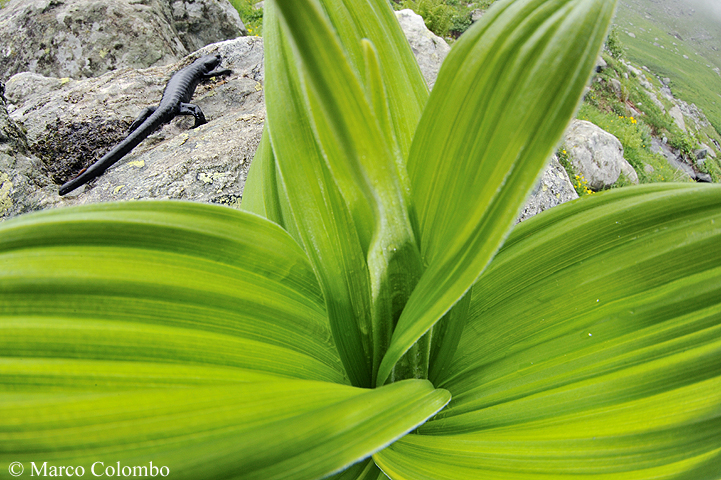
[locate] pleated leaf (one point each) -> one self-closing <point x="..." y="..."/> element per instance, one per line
<point x="406" y="89"/>
<point x="322" y="220"/>
<point x="261" y="430"/>
<point x="224" y="288"/>
<point x="262" y="193"/>
<point x="348" y="195"/>
<point x="503" y="97"/>
<point x="593" y="349"/>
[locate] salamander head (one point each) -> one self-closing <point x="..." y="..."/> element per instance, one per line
<point x="209" y="61"/>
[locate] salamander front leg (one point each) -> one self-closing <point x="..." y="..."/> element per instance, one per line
<point x="194" y="110"/>
<point x="142" y="117"/>
<point x="217" y="73"/>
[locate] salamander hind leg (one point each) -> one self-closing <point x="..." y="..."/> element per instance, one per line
<point x="194" y="110"/>
<point x="141" y="118"/>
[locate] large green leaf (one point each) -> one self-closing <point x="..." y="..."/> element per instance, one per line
<point x="503" y="97"/>
<point x="262" y="430"/>
<point x="348" y="195"/>
<point x="173" y="282"/>
<point x="593" y="348"/>
<point x="261" y="193"/>
<point x="322" y="219"/>
<point x="406" y="89"/>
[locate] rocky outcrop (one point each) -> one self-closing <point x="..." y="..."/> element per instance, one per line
<point x="86" y="38"/>
<point x="69" y="124"/>
<point x="597" y="155"/>
<point x="430" y="50"/>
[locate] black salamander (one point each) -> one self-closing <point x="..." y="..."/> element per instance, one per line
<point x="177" y="94"/>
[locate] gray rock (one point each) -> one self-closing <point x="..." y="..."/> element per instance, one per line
<point x="12" y="138"/>
<point x="701" y="153"/>
<point x="677" y="116"/>
<point x="70" y="124"/>
<point x="652" y="95"/>
<point x="553" y="189"/>
<point x="709" y="151"/>
<point x="597" y="155"/>
<point x="430" y="50"/>
<point x="86" y="38"/>
<point x="704" y="177"/>
<point x="617" y="88"/>
<point x="20" y="175"/>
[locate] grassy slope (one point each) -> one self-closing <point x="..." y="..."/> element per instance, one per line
<point x="681" y="31"/>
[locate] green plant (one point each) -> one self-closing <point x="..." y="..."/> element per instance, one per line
<point x="614" y="45"/>
<point x="373" y="321"/>
<point x="460" y="22"/>
<point x="684" y="143"/>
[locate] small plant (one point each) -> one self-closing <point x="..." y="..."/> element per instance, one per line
<point x="579" y="182"/>
<point x="614" y="45"/>
<point x="437" y="15"/>
<point x="370" y="316"/>
<point x="684" y="143"/>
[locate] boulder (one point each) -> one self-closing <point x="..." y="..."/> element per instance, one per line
<point x="597" y="155"/>
<point x="69" y="124"/>
<point x="86" y="38"/>
<point x="430" y="50"/>
<point x="553" y="189"/>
